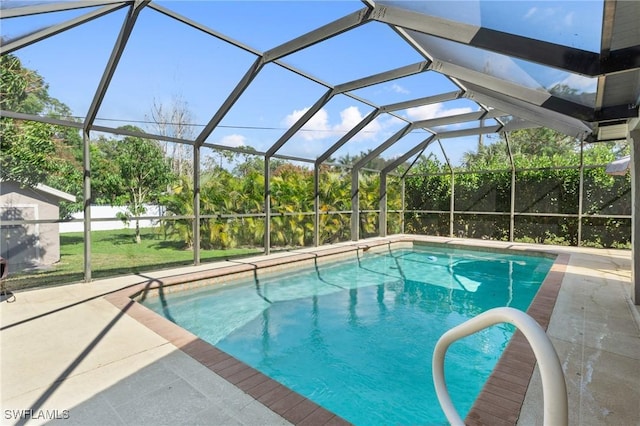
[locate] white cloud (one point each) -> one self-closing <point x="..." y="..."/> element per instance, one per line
<point x="531" y="12"/>
<point x="234" y="140"/>
<point x="544" y="14"/>
<point x="319" y="127"/>
<point x="290" y="119"/>
<point x="568" y="20"/>
<point x="426" y="112"/>
<point x="395" y="87"/>
<point x="350" y="117"/>
<point x="316" y="128"/>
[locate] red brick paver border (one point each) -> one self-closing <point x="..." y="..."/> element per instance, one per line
<point x="501" y="398"/>
<point x="280" y="399"/>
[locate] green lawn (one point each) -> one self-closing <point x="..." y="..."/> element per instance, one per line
<point x="116" y="253"/>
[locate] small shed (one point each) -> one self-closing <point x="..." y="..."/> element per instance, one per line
<point x="31" y="244"/>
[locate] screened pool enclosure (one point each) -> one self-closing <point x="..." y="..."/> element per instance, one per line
<point x="261" y="126"/>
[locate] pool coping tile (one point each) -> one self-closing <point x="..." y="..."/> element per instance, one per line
<point x="503" y="392"/>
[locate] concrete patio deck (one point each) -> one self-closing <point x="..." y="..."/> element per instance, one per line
<point x="66" y="352"/>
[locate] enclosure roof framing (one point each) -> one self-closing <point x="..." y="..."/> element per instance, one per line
<point x="34" y="37"/>
<point x="55" y="7"/>
<point x="127" y="27"/>
<point x="466" y="49"/>
<point x="555" y="55"/>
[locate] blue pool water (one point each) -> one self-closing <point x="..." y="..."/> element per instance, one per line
<point x="357" y="336"/>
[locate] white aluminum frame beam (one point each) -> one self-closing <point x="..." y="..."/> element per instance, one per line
<point x="387" y="108"/>
<point x="233" y="97"/>
<point x="413" y="151"/>
<point x="315" y="36"/>
<point x="534" y="113"/>
<point x="139" y="134"/>
<point x="41" y="119"/>
<point x="116" y="54"/>
<point x="342" y="88"/>
<point x="550" y="54"/>
<point x="327" y="31"/>
<point x="443" y="97"/>
<point x="418" y="149"/>
<point x="451" y="119"/>
<point x="355" y="178"/>
<point x="608" y="19"/>
<point x="383" y="146"/>
<point x="634" y="141"/>
<point x="16" y="12"/>
<point x="361" y="125"/>
<point x="110" y="69"/>
<point x="317" y="106"/>
<point x="170" y="13"/>
<point x="383" y="77"/>
<point x="19" y="43"/>
<point x="86" y="207"/>
<point x="458" y="118"/>
<point x="470" y="132"/>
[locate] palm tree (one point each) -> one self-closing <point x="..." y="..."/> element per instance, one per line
<point x="179" y="202"/>
<point x="369" y="200"/>
<point x="334" y="196"/>
<point x="292" y="189"/>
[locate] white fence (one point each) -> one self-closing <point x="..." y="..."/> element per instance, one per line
<point x="108" y="212"/>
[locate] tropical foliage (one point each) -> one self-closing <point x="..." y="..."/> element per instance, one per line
<point x="31" y="152"/>
<point x="132" y="171"/>
<point x="547" y="193"/>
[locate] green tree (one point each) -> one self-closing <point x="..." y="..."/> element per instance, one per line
<point x="34" y="152"/>
<point x="106" y="182"/>
<point x="27" y="152"/>
<point x="21" y="89"/>
<point x="145" y="174"/>
<point x="428" y="187"/>
<point x="539" y="143"/>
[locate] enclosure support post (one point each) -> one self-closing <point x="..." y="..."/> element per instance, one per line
<point x="316" y="205"/>
<point x="581" y="193"/>
<point x="86" y="164"/>
<point x="512" y="213"/>
<point x="452" y="204"/>
<point x="196" y="205"/>
<point x="355" y="205"/>
<point x="403" y="205"/>
<point x="383" y="205"/>
<point x="512" y="209"/>
<point x="267" y="207"/>
<point x="635" y="211"/>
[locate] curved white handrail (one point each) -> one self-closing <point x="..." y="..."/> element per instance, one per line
<point x="554" y="390"/>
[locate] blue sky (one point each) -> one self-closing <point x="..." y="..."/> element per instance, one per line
<point x="165" y="60"/>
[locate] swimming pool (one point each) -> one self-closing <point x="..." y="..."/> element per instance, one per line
<point x="357" y="336"/>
